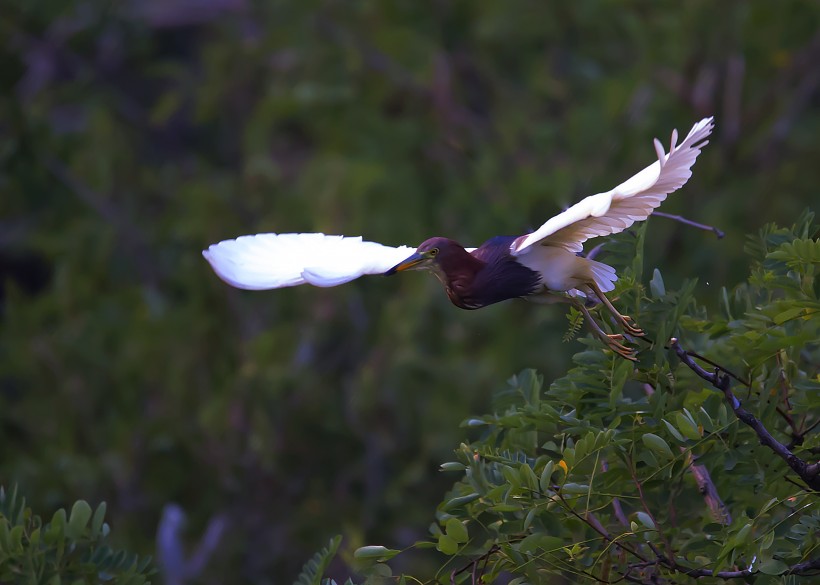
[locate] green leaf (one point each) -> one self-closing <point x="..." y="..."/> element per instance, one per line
<point x="456" y="530"/>
<point x="767" y="506"/>
<point x="459" y="501"/>
<point x="528" y="477"/>
<point x="447" y="545"/>
<point x="78" y="519"/>
<point x="540" y="542"/>
<point x="546" y="474"/>
<point x="656" y="286"/>
<point x="375" y="552"/>
<point x="315" y="567"/>
<point x="16" y="539"/>
<point x="97" y="520"/>
<point x="788" y="315"/>
<point x="574" y="488"/>
<point x="742" y="534"/>
<point x="673" y="431"/>
<point x="657" y="444"/>
<point x="773" y="567"/>
<point x="623" y="371"/>
<point x="646" y="520"/>
<point x="57" y="526"/>
<point x="686" y="425"/>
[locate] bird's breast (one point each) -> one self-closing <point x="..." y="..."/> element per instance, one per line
<point x="460" y="295"/>
<point x="495" y="282"/>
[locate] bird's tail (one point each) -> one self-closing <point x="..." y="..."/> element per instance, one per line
<point x="603" y="274"/>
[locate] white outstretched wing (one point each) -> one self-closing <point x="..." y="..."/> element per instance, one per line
<point x="266" y="261"/>
<point x="631" y="201"/>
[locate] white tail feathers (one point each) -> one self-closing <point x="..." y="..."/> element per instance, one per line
<point x="265" y="261"/>
<point x="603" y="274"/>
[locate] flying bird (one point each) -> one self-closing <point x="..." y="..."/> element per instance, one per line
<point x="545" y="265"/>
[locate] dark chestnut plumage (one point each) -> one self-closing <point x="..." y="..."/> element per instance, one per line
<point x="486" y="275"/>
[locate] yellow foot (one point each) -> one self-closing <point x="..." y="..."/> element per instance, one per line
<point x="626" y="353"/>
<point x="626" y="324"/>
<point x="612" y="342"/>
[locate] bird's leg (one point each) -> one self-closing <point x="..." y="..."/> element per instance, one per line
<point x="625" y="321"/>
<point x="611" y="341"/>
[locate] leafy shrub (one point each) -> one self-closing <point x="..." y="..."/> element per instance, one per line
<point x="69" y="549"/>
<point x="670" y="471"/>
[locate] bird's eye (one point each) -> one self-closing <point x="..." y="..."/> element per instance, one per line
<point x="433" y="251"/>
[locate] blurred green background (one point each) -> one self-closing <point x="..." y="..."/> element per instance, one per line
<point x="133" y="134"/>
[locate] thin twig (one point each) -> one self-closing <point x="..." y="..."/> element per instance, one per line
<point x="474" y="563"/>
<point x="602" y="532"/>
<point x="694" y="224"/>
<point x="645" y="505"/>
<point x="721" y="381"/>
<point x="616" y="503"/>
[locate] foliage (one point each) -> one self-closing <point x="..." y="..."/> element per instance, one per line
<point x="135" y="133"/>
<point x="615" y="471"/>
<point x="71" y="548"/>
<point x="315" y="567"/>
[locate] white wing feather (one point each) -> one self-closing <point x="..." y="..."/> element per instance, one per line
<point x="631" y="201"/>
<point x="265" y="261"/>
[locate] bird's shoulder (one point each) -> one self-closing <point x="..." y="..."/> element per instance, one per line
<point x="494" y="248"/>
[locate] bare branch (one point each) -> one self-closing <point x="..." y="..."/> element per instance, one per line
<point x="721" y="381"/>
<point x="805" y="568"/>
<point x="616" y="503"/>
<point x="600" y="530"/>
<point x="694" y="224"/>
<point x="719" y="510"/>
<point x="473" y="565"/>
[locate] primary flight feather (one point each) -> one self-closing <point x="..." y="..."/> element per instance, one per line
<point x="543" y="265"/>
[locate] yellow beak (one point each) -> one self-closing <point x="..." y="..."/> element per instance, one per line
<point x="407" y="264"/>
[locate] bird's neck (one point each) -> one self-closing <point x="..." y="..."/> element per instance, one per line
<point x="457" y="271"/>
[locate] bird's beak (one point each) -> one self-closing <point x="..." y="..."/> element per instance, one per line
<point x="407" y="264"/>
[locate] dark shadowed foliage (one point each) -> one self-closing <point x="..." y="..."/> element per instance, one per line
<point x="135" y="133"/>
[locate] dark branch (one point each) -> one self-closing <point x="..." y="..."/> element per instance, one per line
<point x="721" y="381"/>
<point x="473" y="565"/>
<point x="805" y="568"/>
<point x="599" y="529"/>
<point x="719" y="510"/>
<point x="694" y="224"/>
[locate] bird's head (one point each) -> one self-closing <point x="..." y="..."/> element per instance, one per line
<point x="429" y="255"/>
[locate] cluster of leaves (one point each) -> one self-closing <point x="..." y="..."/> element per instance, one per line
<point x="645" y="473"/>
<point x="71" y="548"/>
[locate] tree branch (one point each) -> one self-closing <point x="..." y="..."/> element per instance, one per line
<point x="805" y="568"/>
<point x="598" y="528"/>
<point x="694" y="224"/>
<point x="721" y="381"/>
<point x="720" y="512"/>
<point x="473" y="565"/>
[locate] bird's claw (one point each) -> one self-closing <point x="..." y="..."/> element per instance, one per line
<point x="612" y="341"/>
<point x="627" y="325"/>
<point x="625" y="352"/>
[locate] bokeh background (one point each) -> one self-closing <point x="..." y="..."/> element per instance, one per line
<point x="135" y="133"/>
